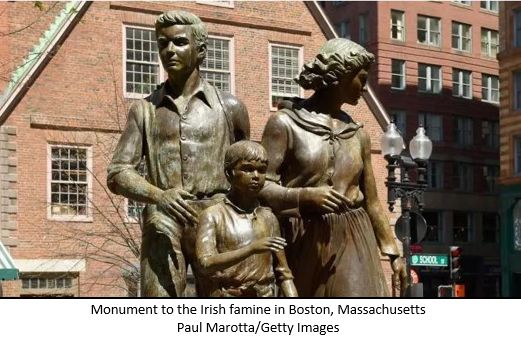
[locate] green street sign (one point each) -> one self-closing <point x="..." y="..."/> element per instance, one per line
<point x="430" y="260"/>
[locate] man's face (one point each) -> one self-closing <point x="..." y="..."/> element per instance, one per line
<point x="177" y="50"/>
<point x="248" y="177"/>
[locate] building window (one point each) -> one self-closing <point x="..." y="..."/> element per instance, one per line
<point x="400" y="120"/>
<point x="490" y="225"/>
<point x="464" y="130"/>
<point x="490" y="88"/>
<point x="397" y="74"/>
<point x="285" y="65"/>
<point x="517" y="226"/>
<point x="517" y="90"/>
<point x="433" y="219"/>
<point x="429" y="30"/>
<point x="490" y="133"/>
<point x="216" y="66"/>
<point x="429" y="78"/>
<point x="142" y="68"/>
<point x="433" y="125"/>
<point x="463" y="177"/>
<point x="461" y="2"/>
<point x="46" y="283"/>
<point x="461" y="83"/>
<point x="489" y="5"/>
<point x="69" y="181"/>
<point x="397" y="25"/>
<point x="489" y="42"/>
<point x="220" y="3"/>
<point x="435" y="174"/>
<point x="517" y="156"/>
<point x="517" y="28"/>
<point x="491" y="174"/>
<point x="342" y="29"/>
<point x="363" y="29"/>
<point x="462" y="222"/>
<point x="461" y="36"/>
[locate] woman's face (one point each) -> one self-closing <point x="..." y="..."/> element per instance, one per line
<point x="352" y="88"/>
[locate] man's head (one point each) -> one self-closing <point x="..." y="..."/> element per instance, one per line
<point x="181" y="39"/>
<point x="245" y="165"/>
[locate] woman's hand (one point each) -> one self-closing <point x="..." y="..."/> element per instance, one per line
<point x="323" y="200"/>
<point x="272" y="243"/>
<point x="400" y="273"/>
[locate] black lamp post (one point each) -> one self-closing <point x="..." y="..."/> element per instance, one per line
<point x="408" y="191"/>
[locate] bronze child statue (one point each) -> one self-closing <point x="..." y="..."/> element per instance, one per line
<point x="321" y="182"/>
<point x="238" y="241"/>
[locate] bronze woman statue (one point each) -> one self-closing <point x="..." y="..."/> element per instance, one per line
<point x="321" y="182"/>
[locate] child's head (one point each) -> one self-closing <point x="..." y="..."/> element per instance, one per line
<point x="245" y="165"/>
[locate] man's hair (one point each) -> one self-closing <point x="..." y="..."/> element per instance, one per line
<point x="244" y="150"/>
<point x="336" y="59"/>
<point x="171" y="18"/>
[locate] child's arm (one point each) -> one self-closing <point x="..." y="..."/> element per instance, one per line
<point x="287" y="286"/>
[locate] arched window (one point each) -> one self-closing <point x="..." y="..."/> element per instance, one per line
<point x="517" y="225"/>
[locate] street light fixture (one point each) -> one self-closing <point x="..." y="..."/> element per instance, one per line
<point x="409" y="192"/>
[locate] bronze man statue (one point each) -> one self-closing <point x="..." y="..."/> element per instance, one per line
<point x="238" y="244"/>
<point x="182" y="131"/>
<point x="321" y="182"/>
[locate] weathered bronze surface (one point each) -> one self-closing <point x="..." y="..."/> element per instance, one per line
<point x="182" y="131"/>
<point x="321" y="182"/>
<point x="239" y="248"/>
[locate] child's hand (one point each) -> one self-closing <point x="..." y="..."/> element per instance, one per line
<point x="273" y="243"/>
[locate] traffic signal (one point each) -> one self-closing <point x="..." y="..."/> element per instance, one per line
<point x="455" y="263"/>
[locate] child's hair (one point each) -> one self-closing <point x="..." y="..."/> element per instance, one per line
<point x="244" y="150"/>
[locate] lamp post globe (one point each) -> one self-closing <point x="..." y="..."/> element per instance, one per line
<point x="420" y="146"/>
<point x="392" y="141"/>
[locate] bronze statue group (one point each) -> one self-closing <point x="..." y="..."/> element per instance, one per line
<point x="300" y="211"/>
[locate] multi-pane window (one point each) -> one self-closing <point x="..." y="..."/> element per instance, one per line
<point x="517" y="90"/>
<point x="429" y="78"/>
<point x="461" y="36"/>
<point x="433" y="219"/>
<point x="517" y="28"/>
<point x="490" y="88"/>
<point x="435" y="174"/>
<point x="490" y="226"/>
<point x="463" y="177"/>
<point x="215" y="67"/>
<point x="400" y="120"/>
<point x="461" y="83"/>
<point x="285" y="66"/>
<point x="363" y="29"/>
<point x="398" y="74"/>
<point x="464" y="130"/>
<point x="46" y="282"/>
<point x="397" y="25"/>
<point x="461" y="226"/>
<point x="462" y="2"/>
<point x="490" y="133"/>
<point x="429" y="30"/>
<point x="491" y="174"/>
<point x="490" y="5"/>
<point x="69" y="184"/>
<point x="142" y="69"/>
<point x="517" y="155"/>
<point x="433" y="125"/>
<point x="342" y="29"/>
<point x="489" y="42"/>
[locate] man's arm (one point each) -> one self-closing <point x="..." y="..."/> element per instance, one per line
<point x="240" y="118"/>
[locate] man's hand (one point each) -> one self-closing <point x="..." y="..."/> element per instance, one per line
<point x="400" y="273"/>
<point x="323" y="200"/>
<point x="173" y="202"/>
<point x="272" y="243"/>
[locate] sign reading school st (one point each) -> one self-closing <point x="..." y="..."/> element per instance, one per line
<point x="430" y="260"/>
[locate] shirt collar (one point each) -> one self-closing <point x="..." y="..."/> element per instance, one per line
<point x="202" y="91"/>
<point x="240" y="210"/>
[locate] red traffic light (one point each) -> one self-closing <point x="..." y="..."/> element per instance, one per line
<point x="455" y="251"/>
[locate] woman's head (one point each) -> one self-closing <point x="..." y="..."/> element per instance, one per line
<point x="337" y="59"/>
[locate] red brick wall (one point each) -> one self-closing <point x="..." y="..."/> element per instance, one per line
<point x="10" y="288"/>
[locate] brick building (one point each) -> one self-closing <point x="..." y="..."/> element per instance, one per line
<point x="70" y="76"/>
<point x="436" y="64"/>
<point x="510" y="154"/>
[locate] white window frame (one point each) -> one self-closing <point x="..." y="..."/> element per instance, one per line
<point x="462" y="2"/>
<point x="460" y="36"/>
<point x="430" y="122"/>
<point x="487" y="47"/>
<point x="161" y="74"/>
<point x="429" y="32"/>
<point x="363" y="28"/>
<point x="59" y="217"/>
<point x="399" y="24"/>
<point x="231" y="60"/>
<point x="487" y="88"/>
<point x="402" y="74"/>
<point x="300" y="65"/>
<point x="429" y="79"/>
<point x="464" y="129"/>
<point x="218" y="3"/>
<point x="459" y="84"/>
<point x="487" y="5"/>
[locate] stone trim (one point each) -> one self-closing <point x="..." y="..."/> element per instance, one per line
<point x="8" y="186"/>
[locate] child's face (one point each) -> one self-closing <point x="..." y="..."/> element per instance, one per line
<point x="248" y="177"/>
